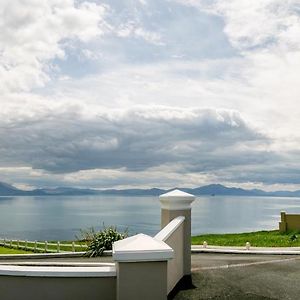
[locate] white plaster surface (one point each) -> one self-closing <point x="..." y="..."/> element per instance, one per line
<point x="168" y="230"/>
<point x="176" y="200"/>
<point x="58" y="271"/>
<point x="141" y="247"/>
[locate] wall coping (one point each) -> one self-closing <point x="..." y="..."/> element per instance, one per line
<point x="169" y="229"/>
<point x="176" y="200"/>
<point x="48" y="255"/>
<point x="107" y="270"/>
<point x="297" y="215"/>
<point x="141" y="247"/>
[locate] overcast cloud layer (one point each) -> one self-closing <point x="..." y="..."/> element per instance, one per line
<point x="147" y="93"/>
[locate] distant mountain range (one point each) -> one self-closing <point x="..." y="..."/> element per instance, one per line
<point x="212" y="190"/>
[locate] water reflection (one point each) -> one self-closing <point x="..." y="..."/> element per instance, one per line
<point x="51" y="218"/>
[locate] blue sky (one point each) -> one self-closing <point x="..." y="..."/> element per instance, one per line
<point x="147" y="93"/>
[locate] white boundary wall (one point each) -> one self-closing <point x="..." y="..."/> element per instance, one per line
<point x="146" y="267"/>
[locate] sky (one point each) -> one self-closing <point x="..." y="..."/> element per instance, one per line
<point x="150" y="93"/>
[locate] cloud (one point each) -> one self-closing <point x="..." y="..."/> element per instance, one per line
<point x="143" y="93"/>
<point x="251" y="24"/>
<point x="35" y="32"/>
<point x="134" y="139"/>
<point x="262" y="80"/>
<point x="103" y="178"/>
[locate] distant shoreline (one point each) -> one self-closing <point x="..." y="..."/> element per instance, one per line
<point x="212" y="190"/>
<point x="146" y="196"/>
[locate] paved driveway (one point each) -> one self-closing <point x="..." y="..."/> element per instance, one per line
<point x="241" y="277"/>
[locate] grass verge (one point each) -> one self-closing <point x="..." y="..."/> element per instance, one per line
<point x="4" y="250"/>
<point x="271" y="238"/>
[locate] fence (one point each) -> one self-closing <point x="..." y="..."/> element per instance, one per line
<point x="47" y="247"/>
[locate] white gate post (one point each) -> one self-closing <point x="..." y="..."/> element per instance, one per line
<point x="174" y="204"/>
<point x="141" y="263"/>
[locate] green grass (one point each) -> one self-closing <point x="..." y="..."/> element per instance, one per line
<point x="257" y="239"/>
<point x="4" y="250"/>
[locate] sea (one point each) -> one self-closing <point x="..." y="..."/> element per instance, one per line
<point x="64" y="217"/>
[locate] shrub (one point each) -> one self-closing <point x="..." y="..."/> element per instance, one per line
<point x="293" y="237"/>
<point x="103" y="240"/>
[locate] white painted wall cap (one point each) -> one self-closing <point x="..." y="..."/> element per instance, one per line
<point x="141" y="247"/>
<point x="176" y="200"/>
<point x="176" y="193"/>
<point x="63" y="271"/>
<point x="169" y="229"/>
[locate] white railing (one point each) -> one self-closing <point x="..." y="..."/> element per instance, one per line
<point x="38" y="246"/>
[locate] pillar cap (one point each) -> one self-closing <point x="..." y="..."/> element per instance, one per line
<point x="176" y="200"/>
<point x="141" y="247"/>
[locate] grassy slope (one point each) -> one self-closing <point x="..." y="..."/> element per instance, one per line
<point x="257" y="239"/>
<point x="4" y="250"/>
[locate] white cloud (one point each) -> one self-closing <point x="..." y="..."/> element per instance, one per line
<point x="133" y="30"/>
<point x="251" y="24"/>
<point x="197" y="73"/>
<point x="263" y="81"/>
<point x="35" y="32"/>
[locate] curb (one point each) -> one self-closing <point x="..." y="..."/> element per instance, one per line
<point x="250" y="251"/>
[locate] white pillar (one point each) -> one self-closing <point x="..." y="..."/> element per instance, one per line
<point x="174" y="204"/>
<point x="141" y="263"/>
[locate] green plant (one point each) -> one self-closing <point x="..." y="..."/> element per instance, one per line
<point x="103" y="240"/>
<point x="293" y="237"/>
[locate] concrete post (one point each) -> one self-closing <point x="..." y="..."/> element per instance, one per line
<point x="283" y="216"/>
<point x="174" y="204"/>
<point x="282" y="223"/>
<point x="141" y="263"/>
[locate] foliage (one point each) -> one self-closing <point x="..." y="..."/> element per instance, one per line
<point x="293" y="237"/>
<point x="102" y="240"/>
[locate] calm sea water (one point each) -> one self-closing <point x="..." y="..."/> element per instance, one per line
<point x="53" y="218"/>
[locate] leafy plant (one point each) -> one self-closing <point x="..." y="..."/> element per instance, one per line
<point x="102" y="240"/>
<point x="293" y="237"/>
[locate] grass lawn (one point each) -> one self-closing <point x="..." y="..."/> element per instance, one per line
<point x="257" y="239"/>
<point x="4" y="250"/>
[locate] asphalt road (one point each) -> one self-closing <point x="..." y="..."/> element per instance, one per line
<point x="238" y="277"/>
<point x="235" y="277"/>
